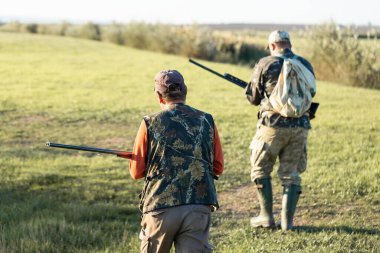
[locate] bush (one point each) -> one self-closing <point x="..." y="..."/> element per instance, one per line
<point x="338" y="55"/>
<point x="19" y="27"/>
<point x="190" y="41"/>
<point x="114" y="34"/>
<point x="250" y="53"/>
<point x="138" y="35"/>
<point x="196" y="42"/>
<point x="73" y="31"/>
<point x="61" y="29"/>
<point x="53" y="29"/>
<point x="235" y="49"/>
<point x="204" y="45"/>
<point x="31" y="28"/>
<point x="12" y="27"/>
<point x="165" y="39"/>
<point x="90" y="31"/>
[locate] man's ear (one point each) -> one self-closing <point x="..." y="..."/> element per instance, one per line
<point x="160" y="99"/>
<point x="272" y="46"/>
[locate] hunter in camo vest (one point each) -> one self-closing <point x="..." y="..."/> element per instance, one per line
<point x="178" y="153"/>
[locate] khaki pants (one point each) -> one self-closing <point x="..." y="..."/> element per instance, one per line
<point x="187" y="226"/>
<point x="289" y="144"/>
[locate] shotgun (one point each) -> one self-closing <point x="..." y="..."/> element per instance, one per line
<point x="233" y="79"/>
<point x="123" y="154"/>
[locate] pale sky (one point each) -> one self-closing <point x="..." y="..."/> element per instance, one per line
<point x="346" y="12"/>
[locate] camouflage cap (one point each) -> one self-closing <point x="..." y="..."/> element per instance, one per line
<point x="278" y="36"/>
<point x="170" y="84"/>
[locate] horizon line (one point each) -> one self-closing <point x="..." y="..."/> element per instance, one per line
<point x="25" y="19"/>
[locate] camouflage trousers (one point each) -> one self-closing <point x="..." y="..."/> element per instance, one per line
<point x="289" y="144"/>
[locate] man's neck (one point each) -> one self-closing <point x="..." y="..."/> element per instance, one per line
<point x="179" y="101"/>
<point x="169" y="104"/>
<point x="280" y="52"/>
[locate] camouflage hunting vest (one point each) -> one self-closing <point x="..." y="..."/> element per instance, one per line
<point x="180" y="159"/>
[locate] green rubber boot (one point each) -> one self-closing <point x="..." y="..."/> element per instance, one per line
<point x="290" y="198"/>
<point x="264" y="193"/>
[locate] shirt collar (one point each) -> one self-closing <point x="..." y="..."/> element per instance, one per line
<point x="284" y="52"/>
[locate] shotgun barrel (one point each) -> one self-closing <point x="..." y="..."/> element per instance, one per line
<point x="119" y="153"/>
<point x="228" y="77"/>
<point x="233" y="79"/>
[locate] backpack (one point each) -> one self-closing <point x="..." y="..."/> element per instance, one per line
<point x="293" y="92"/>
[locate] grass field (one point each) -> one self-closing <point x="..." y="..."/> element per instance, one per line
<point x="89" y="93"/>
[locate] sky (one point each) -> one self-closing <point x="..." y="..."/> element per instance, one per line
<point x="346" y="12"/>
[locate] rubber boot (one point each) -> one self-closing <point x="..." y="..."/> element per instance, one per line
<point x="264" y="193"/>
<point x="290" y="198"/>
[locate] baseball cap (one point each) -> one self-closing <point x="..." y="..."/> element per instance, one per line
<point x="278" y="36"/>
<point x="170" y="83"/>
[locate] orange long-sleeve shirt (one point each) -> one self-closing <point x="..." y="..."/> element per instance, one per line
<point x="137" y="164"/>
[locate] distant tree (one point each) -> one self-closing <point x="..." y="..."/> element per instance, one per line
<point x="31" y="28"/>
<point x="90" y="31"/>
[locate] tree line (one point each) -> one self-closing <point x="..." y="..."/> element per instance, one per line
<point x="336" y="52"/>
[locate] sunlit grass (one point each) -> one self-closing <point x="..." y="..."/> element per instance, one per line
<point x="91" y="93"/>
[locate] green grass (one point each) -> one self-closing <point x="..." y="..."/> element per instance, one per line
<point x="91" y="93"/>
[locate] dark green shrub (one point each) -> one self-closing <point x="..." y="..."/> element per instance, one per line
<point x="250" y="53"/>
<point x="31" y="28"/>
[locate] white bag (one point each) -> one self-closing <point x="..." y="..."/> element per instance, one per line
<point x="293" y="92"/>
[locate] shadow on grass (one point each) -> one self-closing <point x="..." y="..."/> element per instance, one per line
<point x="339" y="229"/>
<point x="51" y="213"/>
